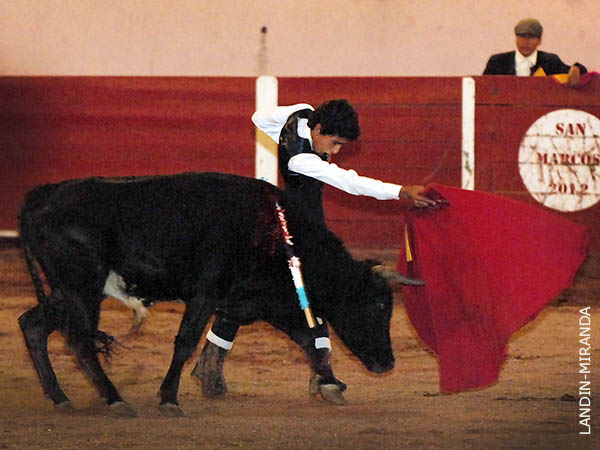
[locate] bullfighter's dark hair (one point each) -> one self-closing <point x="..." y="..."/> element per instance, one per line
<point x="337" y="117"/>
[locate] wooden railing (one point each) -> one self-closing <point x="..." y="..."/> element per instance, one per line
<point x="54" y="128"/>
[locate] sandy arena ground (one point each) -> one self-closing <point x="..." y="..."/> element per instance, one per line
<point x="534" y="404"/>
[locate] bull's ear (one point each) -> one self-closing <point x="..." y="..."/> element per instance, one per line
<point x="391" y="276"/>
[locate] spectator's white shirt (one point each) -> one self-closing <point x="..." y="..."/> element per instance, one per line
<point x="523" y="64"/>
<point x="272" y="120"/>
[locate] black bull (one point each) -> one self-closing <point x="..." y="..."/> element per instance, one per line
<point x="210" y="240"/>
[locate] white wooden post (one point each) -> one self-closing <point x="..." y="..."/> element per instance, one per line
<point x="468" y="134"/>
<point x="266" y="148"/>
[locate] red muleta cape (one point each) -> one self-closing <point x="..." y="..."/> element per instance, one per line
<point x="490" y="265"/>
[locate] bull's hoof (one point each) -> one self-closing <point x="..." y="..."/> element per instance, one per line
<point x="332" y="394"/>
<point x="170" y="410"/>
<point x="315" y="383"/>
<point x="122" y="409"/>
<point x="64" y="407"/>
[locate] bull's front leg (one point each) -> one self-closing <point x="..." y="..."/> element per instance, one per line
<point x="317" y="346"/>
<point x="322" y="380"/>
<point x="195" y="317"/>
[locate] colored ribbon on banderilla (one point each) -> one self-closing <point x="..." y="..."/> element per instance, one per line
<point x="294" y="266"/>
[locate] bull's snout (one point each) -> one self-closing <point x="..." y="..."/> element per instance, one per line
<point x="381" y="368"/>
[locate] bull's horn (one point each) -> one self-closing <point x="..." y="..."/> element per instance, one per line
<point x="391" y="275"/>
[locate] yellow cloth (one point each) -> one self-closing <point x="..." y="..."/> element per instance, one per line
<point x="560" y="77"/>
<point x="407" y="243"/>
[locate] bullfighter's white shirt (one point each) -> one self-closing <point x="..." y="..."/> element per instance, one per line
<point x="272" y="120"/>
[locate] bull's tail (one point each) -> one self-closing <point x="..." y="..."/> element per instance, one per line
<point x="35" y="275"/>
<point x="29" y="236"/>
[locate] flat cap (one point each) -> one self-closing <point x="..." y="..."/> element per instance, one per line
<point x="529" y="26"/>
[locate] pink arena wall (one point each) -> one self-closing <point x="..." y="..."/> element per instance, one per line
<point x="308" y="38"/>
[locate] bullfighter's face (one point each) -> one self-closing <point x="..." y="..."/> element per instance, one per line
<point x="326" y="145"/>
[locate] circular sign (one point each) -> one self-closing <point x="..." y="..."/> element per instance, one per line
<point x="559" y="160"/>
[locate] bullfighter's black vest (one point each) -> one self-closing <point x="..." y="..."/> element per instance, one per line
<point x="304" y="192"/>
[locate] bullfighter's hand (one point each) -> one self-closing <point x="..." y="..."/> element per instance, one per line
<point x="416" y="194"/>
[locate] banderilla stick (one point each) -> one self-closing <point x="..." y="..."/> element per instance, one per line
<point x="294" y="266"/>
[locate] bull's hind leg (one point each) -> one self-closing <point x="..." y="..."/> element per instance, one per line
<point x="86" y="353"/>
<point x="82" y="336"/>
<point x="89" y="361"/>
<point x="36" y="329"/>
<point x="195" y="317"/>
